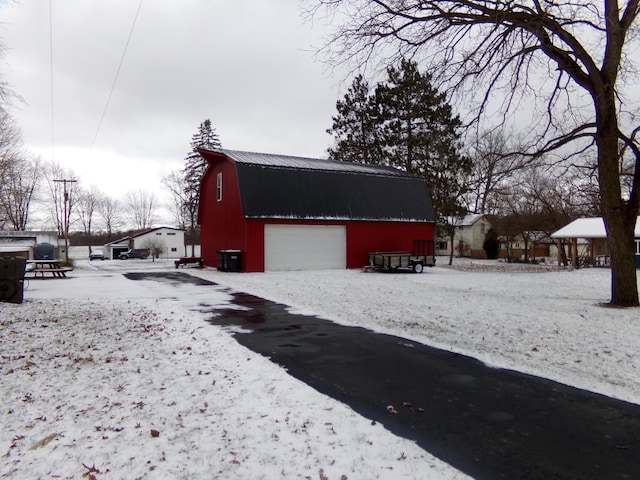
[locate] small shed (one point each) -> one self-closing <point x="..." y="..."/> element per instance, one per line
<point x="25" y="243"/>
<point x="295" y="213"/>
<point x="169" y="240"/>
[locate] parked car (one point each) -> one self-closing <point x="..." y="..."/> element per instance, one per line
<point x="142" y="253"/>
<point x="96" y="255"/>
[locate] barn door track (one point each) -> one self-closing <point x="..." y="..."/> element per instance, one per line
<point x="489" y="423"/>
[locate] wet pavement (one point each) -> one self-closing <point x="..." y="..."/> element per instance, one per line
<point x="489" y="423"/>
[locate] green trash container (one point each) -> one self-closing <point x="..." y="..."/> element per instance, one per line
<point x="11" y="279"/>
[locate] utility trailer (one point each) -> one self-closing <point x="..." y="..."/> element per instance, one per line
<point x="423" y="255"/>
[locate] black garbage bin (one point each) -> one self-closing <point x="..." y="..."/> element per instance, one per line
<point x="11" y="279"/>
<point x="229" y="260"/>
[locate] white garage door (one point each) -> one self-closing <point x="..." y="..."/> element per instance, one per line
<point x="304" y="247"/>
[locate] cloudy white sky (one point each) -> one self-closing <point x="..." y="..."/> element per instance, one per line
<point x="248" y="65"/>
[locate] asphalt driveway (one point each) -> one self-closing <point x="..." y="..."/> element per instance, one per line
<point x="489" y="423"/>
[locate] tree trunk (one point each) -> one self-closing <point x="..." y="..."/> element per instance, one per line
<point x="621" y="243"/>
<point x="452" y="234"/>
<point x="619" y="214"/>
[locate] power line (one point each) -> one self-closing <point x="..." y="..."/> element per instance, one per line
<point x="51" y="75"/>
<point x="115" y="80"/>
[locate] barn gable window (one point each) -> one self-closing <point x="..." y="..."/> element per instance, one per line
<point x="219" y="187"/>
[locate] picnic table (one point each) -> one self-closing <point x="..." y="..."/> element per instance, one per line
<point x="54" y="267"/>
<point x="182" y="261"/>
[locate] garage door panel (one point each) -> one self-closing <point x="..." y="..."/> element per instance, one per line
<point x="304" y="247"/>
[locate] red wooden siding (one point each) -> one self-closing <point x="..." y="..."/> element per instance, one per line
<point x="362" y="238"/>
<point x="365" y="237"/>
<point x="224" y="227"/>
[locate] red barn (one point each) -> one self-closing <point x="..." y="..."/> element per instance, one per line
<point x="293" y="213"/>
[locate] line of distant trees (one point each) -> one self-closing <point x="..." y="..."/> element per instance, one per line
<point x="61" y="201"/>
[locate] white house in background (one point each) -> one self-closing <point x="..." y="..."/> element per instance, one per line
<point x="169" y="240"/>
<point x="23" y="244"/>
<point x="468" y="239"/>
<point x="586" y="241"/>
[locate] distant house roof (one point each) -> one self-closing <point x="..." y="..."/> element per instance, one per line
<point x="287" y="187"/>
<point x="465" y="221"/>
<point x="29" y="237"/>
<point x="587" y="228"/>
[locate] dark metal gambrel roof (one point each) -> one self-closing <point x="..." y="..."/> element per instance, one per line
<point x="304" y="163"/>
<point x="286" y="187"/>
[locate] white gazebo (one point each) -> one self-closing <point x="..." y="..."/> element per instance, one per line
<point x="594" y="234"/>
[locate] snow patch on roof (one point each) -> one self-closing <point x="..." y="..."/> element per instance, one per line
<point x="465" y="221"/>
<point x="587" y="228"/>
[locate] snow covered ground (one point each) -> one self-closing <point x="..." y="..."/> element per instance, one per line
<point x="107" y="378"/>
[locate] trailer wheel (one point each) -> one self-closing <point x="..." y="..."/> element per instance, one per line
<point x="418" y="267"/>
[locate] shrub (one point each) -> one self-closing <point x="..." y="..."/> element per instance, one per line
<point x="491" y="244"/>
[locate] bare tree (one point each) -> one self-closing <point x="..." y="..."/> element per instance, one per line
<point x="542" y="199"/>
<point x="18" y="175"/>
<point x="567" y="63"/>
<point x="15" y="192"/>
<point x="10" y="139"/>
<point x="18" y="182"/>
<point x="142" y="209"/>
<point x="6" y="93"/>
<point x="174" y="184"/>
<point x="62" y="186"/>
<point x="87" y="206"/>
<point x="492" y="170"/>
<point x="109" y="213"/>
<point x="156" y="248"/>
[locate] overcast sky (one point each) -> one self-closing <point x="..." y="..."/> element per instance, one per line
<point x="248" y="65"/>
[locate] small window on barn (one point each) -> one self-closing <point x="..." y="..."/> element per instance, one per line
<point x="441" y="245"/>
<point x="174" y="249"/>
<point x="171" y="233"/>
<point x="158" y="233"/>
<point x="219" y="187"/>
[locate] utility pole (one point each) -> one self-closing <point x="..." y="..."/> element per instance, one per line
<point x="67" y="214"/>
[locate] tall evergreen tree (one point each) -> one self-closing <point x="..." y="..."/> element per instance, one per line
<point x="207" y="138"/>
<point x="406" y="123"/>
<point x="355" y="128"/>
<point x="421" y="135"/>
